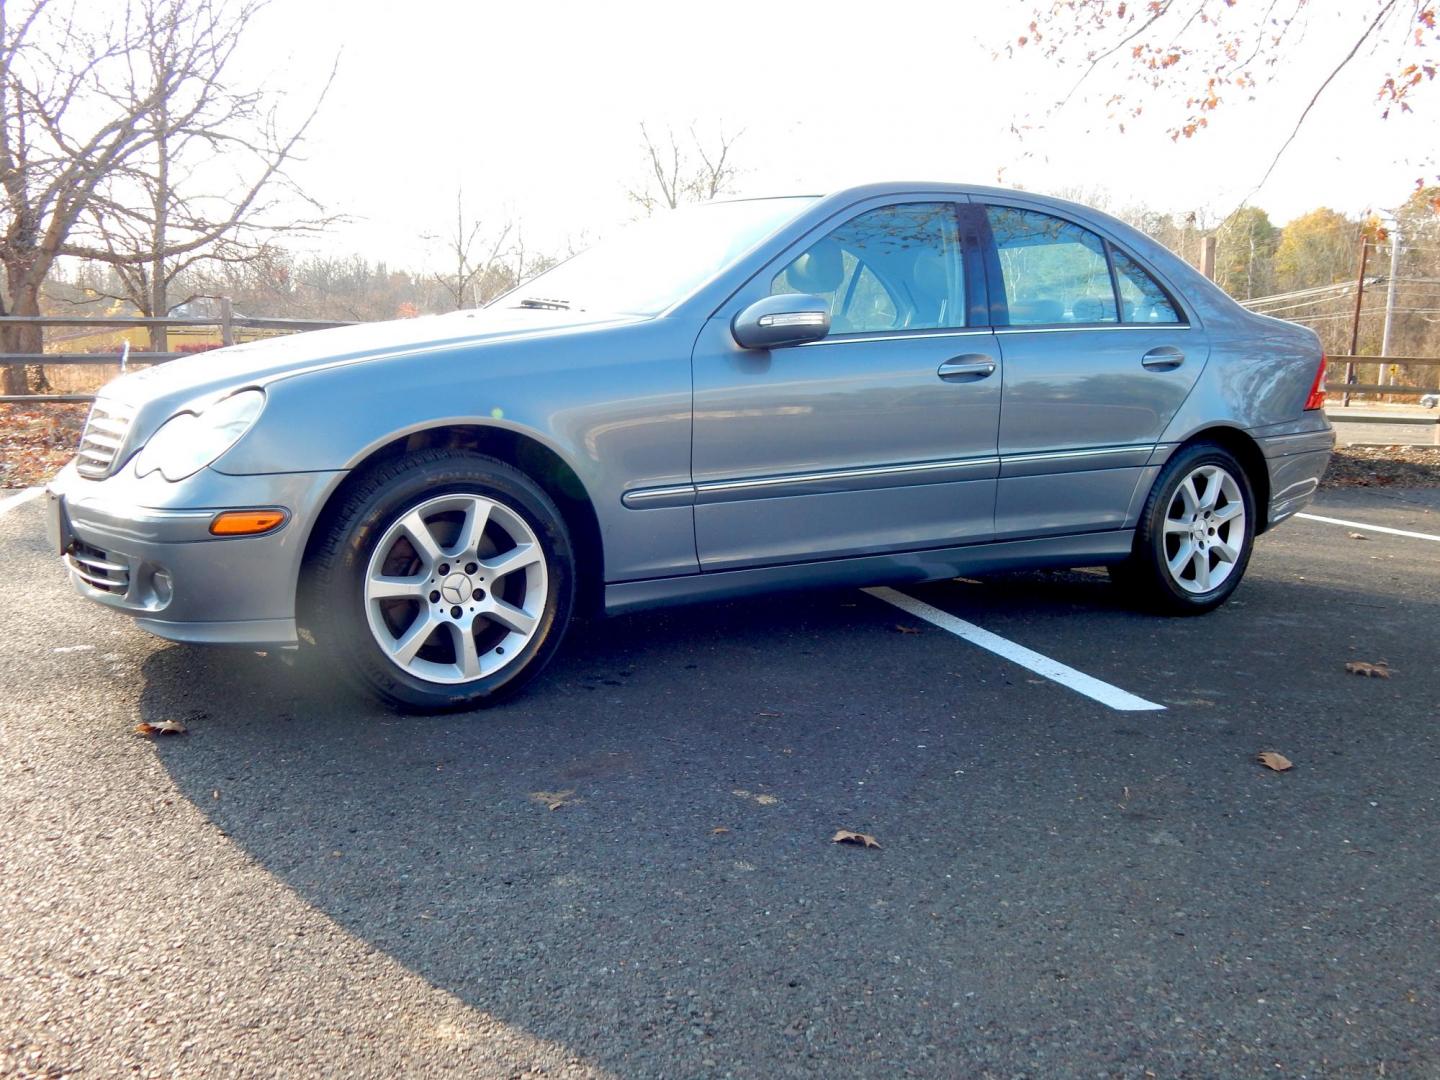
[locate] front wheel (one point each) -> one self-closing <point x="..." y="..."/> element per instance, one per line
<point x="445" y="581"/>
<point x="1195" y="533"/>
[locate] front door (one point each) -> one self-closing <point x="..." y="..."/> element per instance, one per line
<point x="880" y="437"/>
<point x="1098" y="358"/>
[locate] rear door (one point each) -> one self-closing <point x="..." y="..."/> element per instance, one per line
<point x="1098" y="357"/>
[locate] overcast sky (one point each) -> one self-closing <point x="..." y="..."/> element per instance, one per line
<point x="535" y="109"/>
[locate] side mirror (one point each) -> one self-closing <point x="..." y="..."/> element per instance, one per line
<point x="787" y="319"/>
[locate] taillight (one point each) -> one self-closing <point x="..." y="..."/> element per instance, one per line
<point x="1316" y="400"/>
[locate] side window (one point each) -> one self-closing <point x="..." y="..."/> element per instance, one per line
<point x="895" y="268"/>
<point x="1054" y="271"/>
<point x="1142" y="300"/>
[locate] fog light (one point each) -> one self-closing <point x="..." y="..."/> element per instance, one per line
<point x="246" y="522"/>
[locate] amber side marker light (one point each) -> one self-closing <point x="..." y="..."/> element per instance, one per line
<point x="246" y="522"/>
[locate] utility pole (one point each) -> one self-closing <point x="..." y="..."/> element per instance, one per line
<point x="1385" y="370"/>
<point x="1207" y="256"/>
<point x="1355" y="319"/>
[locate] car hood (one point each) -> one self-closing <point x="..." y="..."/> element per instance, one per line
<point x="257" y="363"/>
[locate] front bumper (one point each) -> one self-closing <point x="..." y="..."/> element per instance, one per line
<point x="144" y="547"/>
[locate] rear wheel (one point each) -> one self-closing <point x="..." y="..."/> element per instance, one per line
<point x="445" y="581"/>
<point x="1195" y="534"/>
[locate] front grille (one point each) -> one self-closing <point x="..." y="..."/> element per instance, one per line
<point x="97" y="569"/>
<point x="104" y="436"/>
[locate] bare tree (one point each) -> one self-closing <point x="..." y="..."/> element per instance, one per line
<point x="160" y="213"/>
<point x="679" y="174"/>
<point x="459" y="245"/>
<point x="102" y="124"/>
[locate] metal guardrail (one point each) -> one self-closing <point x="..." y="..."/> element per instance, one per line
<point x="226" y="323"/>
<point x="1349" y="386"/>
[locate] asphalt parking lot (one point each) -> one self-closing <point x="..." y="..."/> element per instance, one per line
<point x="306" y="884"/>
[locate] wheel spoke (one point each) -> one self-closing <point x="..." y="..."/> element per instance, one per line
<point x="1173" y="526"/>
<point x="1227" y="513"/>
<point x="404" y="648"/>
<point x="1225" y="551"/>
<point x="508" y="616"/>
<point x="1201" y="563"/>
<point x="466" y="657"/>
<point x="393" y="588"/>
<point x="1212" y="490"/>
<point x="521" y="555"/>
<point x="420" y="537"/>
<point x="477" y="514"/>
<point x="1181" y="558"/>
<point x="1189" y="495"/>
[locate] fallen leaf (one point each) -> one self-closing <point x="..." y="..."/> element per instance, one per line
<point x="164" y="727"/>
<point x="719" y="830"/>
<point x="1377" y="670"/>
<point x="763" y="800"/>
<point x="1358" y="536"/>
<point x="553" y="800"/>
<point x="1274" y="761"/>
<point x="845" y="836"/>
<point x="907" y="629"/>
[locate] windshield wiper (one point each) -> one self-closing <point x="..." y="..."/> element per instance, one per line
<point x="548" y="305"/>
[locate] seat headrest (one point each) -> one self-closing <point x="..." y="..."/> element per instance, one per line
<point x="821" y="269"/>
<point x="929" y="275"/>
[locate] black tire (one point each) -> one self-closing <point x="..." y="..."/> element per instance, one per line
<point x="1146" y="575"/>
<point x="375" y="501"/>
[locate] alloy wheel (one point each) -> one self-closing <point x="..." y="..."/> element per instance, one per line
<point x="455" y="589"/>
<point x="1204" y="529"/>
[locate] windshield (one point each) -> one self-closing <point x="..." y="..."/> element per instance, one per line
<point x="648" y="266"/>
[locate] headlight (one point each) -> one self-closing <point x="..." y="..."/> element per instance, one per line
<point x="187" y="442"/>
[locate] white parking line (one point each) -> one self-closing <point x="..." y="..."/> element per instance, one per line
<point x="10" y="502"/>
<point x="1368" y="527"/>
<point x="1067" y="676"/>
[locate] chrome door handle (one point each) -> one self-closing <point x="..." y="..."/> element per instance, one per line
<point x="971" y="365"/>
<point x="1163" y="358"/>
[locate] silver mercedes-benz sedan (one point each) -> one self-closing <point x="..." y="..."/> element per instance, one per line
<point x="892" y="383"/>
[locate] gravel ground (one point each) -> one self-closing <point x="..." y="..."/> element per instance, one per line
<point x="36" y="440"/>
<point x="306" y="884"/>
<point x="1384" y="466"/>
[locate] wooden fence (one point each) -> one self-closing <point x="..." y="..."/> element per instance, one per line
<point x="227" y="324"/>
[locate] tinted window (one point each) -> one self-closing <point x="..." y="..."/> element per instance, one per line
<point x="895" y="268"/>
<point x="1142" y="300"/>
<point x="1054" y="271"/>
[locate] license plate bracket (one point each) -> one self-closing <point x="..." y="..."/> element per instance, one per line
<point x="57" y="523"/>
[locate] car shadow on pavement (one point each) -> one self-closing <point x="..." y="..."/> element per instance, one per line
<point x="635" y="858"/>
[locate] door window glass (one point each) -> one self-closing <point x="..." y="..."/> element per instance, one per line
<point x="895" y="268"/>
<point x="1142" y="300"/>
<point x="1055" y="272"/>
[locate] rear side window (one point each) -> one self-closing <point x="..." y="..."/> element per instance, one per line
<point x="1142" y="300"/>
<point x="893" y="268"/>
<point x="1054" y="271"/>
